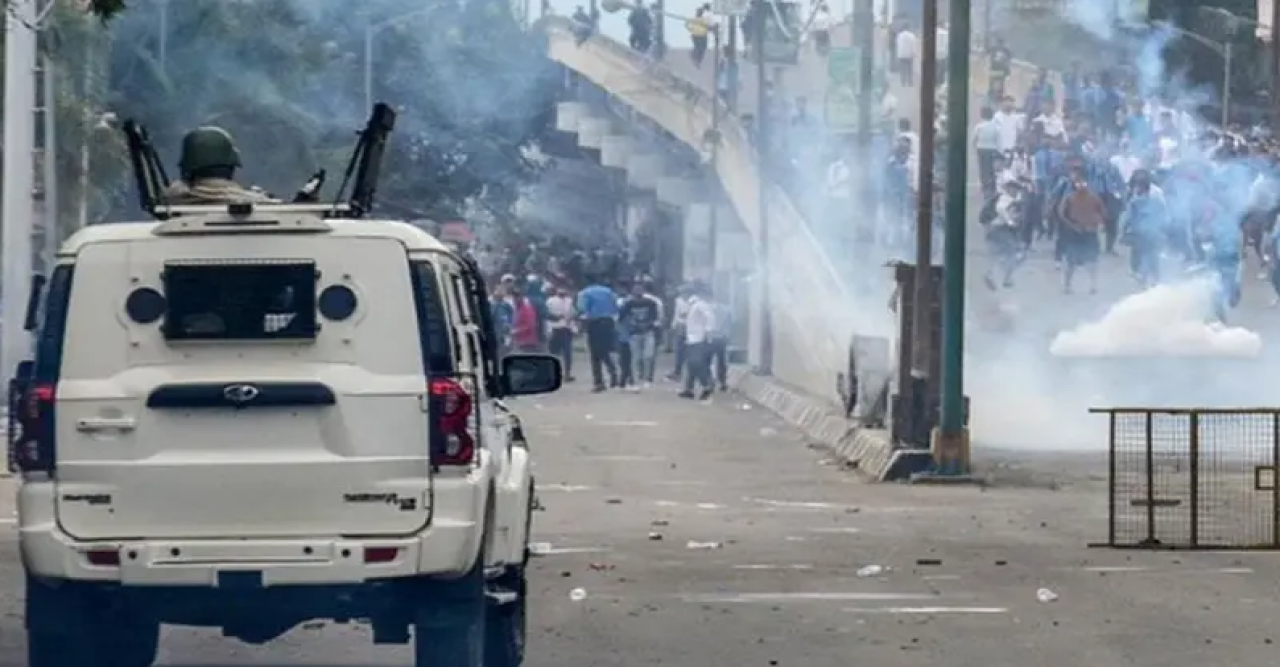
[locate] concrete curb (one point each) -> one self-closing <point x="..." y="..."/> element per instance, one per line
<point x="869" y="451"/>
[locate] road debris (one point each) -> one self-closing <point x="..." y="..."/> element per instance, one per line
<point x="1046" y="595"/>
<point x="601" y="567"/>
<point x="655" y="536"/>
<point x="703" y="546"/>
<point x="871" y="571"/>
<point x="578" y="594"/>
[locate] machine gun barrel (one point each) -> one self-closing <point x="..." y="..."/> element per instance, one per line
<point x="148" y="170"/>
<point x="366" y="160"/>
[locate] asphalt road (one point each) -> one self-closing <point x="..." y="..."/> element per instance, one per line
<point x="963" y="565"/>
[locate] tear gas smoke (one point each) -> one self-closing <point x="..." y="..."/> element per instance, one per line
<point x="1166" y="320"/>
<point x="288" y="79"/>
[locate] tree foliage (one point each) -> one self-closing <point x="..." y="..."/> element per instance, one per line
<point x="287" y="79"/>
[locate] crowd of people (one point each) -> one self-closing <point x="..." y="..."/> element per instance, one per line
<point x="1090" y="167"/>
<point x="623" y="317"/>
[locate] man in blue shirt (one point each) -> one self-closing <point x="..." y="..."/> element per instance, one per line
<point x="598" y="308"/>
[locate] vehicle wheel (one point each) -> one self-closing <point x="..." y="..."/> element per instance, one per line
<point x="59" y="632"/>
<point x="506" y="626"/>
<point x="450" y="631"/>
<point x="129" y="641"/>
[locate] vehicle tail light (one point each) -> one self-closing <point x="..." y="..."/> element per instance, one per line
<point x="103" y="557"/>
<point x="34" y="446"/>
<point x="375" y="555"/>
<point x="452" y="443"/>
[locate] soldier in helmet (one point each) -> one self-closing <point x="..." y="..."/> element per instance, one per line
<point x="207" y="169"/>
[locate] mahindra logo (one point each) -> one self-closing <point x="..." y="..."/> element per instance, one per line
<point x="240" y="394"/>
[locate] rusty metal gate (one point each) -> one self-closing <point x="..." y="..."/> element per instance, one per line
<point x="1193" y="478"/>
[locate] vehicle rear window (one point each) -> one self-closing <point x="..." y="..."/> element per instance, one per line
<point x="230" y="300"/>
<point x="51" y="336"/>
<point x="433" y="325"/>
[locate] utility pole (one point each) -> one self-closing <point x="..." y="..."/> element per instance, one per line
<point x="46" y="209"/>
<point x="731" y="61"/>
<point x="951" y="440"/>
<point x="1275" y="65"/>
<point x="920" y="312"/>
<point x="660" y="32"/>
<point x="863" y="32"/>
<point x="17" y="223"/>
<point x="764" y="153"/>
<point x="714" y="148"/>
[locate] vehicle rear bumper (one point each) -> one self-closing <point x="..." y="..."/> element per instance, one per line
<point x="448" y="547"/>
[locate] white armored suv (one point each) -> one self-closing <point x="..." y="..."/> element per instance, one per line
<point x="251" y="416"/>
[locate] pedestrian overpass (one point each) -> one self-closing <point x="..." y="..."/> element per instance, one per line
<point x="812" y="324"/>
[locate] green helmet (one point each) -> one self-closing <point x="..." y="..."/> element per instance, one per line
<point x="208" y="147"/>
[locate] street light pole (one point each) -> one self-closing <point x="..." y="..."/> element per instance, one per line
<point x="17" y="217"/>
<point x="714" y="150"/>
<point x="1226" y="84"/>
<point x="921" y="343"/>
<point x="951" y="443"/>
<point x="371" y="30"/>
<point x="764" y="153"/>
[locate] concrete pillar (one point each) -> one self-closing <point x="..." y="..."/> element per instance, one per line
<point x="698" y="262"/>
<point x="615" y="149"/>
<point x="643" y="171"/>
<point x="637" y="212"/>
<point x="592" y="131"/>
<point x="676" y="191"/>
<point x="569" y="115"/>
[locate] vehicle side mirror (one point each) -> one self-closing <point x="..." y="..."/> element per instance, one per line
<point x="526" y="374"/>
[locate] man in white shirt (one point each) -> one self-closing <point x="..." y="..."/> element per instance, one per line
<point x="1051" y="121"/>
<point x="1126" y="162"/>
<point x="1011" y="123"/>
<point x="986" y="143"/>
<point x="679" y="313"/>
<point x="700" y="326"/>
<point x="905" y="49"/>
<point x="561" y="316"/>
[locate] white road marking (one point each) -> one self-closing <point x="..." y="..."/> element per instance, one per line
<point x="797" y="538"/>
<point x="1136" y="569"/>
<point x="554" y="551"/>
<point x="798" y="504"/>
<point x="805" y="597"/>
<point x="567" y="488"/>
<point x="676" y="503"/>
<point x="926" y="610"/>
<point x="839" y="530"/>
<point x="9" y="521"/>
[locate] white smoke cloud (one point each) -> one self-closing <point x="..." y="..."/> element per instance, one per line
<point x="1166" y="320"/>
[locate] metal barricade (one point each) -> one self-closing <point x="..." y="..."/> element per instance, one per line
<point x="1193" y="478"/>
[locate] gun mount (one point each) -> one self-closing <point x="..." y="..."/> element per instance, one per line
<point x="362" y="172"/>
